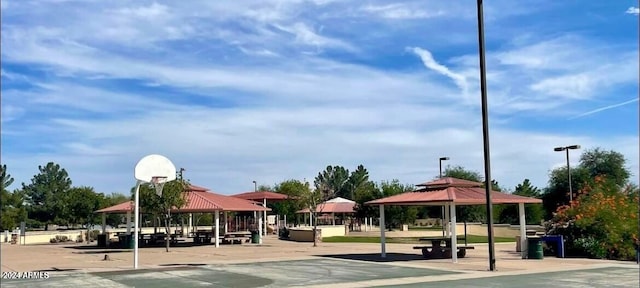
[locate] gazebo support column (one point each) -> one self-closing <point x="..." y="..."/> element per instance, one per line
<point x="226" y="222"/>
<point x="128" y="222"/>
<point x="523" y="230"/>
<point x="454" y="235"/>
<point x="333" y="219"/>
<point x="216" y="234"/>
<point x="447" y="212"/>
<point x="259" y="225"/>
<point x="104" y="223"/>
<point x="383" y="251"/>
<point x="264" y="204"/>
<point x="190" y="228"/>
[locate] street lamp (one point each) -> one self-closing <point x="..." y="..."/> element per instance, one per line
<point x="567" y="148"/>
<point x="442" y="159"/>
<point x="442" y="210"/>
<point x="485" y="136"/>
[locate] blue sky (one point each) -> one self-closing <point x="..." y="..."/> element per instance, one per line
<point x="236" y="91"/>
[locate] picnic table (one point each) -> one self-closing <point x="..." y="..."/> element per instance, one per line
<point x="237" y="237"/>
<point x="437" y="251"/>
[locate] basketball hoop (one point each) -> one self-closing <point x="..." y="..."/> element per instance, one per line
<point x="158" y="183"/>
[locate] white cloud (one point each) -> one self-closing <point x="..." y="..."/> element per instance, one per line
<point x="429" y="62"/>
<point x="240" y="101"/>
<point x="306" y="36"/>
<point x="400" y="11"/>
<point x="633" y="10"/>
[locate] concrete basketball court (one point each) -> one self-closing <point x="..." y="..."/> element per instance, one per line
<point x="290" y="264"/>
<point x="330" y="273"/>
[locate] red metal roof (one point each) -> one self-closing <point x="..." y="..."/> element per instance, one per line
<point x="118" y="208"/>
<point x="460" y="195"/>
<point x="336" y="205"/>
<point x="199" y="199"/>
<point x="261" y="195"/>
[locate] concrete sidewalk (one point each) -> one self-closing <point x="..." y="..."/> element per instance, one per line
<point x="288" y="264"/>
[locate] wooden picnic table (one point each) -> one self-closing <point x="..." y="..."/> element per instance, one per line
<point x="437" y="251"/>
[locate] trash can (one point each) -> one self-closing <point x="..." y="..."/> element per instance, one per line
<point x="255" y="237"/>
<point x="102" y="240"/>
<point x="534" y="248"/>
<point x="127" y="242"/>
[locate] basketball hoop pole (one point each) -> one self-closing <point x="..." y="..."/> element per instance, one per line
<point x="135" y="233"/>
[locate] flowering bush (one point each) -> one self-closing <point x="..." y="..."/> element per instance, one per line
<point x="601" y="222"/>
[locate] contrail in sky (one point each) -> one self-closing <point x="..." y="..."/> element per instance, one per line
<point x="604" y="108"/>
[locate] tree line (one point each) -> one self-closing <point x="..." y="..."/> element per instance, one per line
<point x="50" y="197"/>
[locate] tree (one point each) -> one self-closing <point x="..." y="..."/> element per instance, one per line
<point x="312" y="200"/>
<point x="526" y="189"/>
<point x="358" y="177"/>
<point x="12" y="209"/>
<point x="11" y="204"/>
<point x="295" y="189"/>
<point x="45" y="195"/>
<point x="263" y="187"/>
<point x="462" y="173"/>
<point x="610" y="164"/>
<point x="593" y="163"/>
<point x="333" y="181"/>
<point x="82" y="202"/>
<point x="533" y="212"/>
<point x="366" y="192"/>
<point x="173" y="197"/>
<point x="5" y="179"/>
<point x="397" y="215"/>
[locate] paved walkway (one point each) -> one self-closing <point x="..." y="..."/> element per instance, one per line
<point x="330" y="273"/>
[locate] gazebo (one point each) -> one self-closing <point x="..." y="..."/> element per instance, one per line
<point x="263" y="196"/>
<point x="198" y="200"/>
<point x="451" y="192"/>
<point x="334" y="206"/>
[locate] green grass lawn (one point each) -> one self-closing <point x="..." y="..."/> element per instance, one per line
<point x="433" y="228"/>
<point x="408" y="240"/>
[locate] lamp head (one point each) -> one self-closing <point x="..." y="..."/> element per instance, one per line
<point x="444" y="158"/>
<point x="573" y="147"/>
<point x="558" y="149"/>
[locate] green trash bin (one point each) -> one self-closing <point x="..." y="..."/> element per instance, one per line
<point x="128" y="242"/>
<point x="255" y="237"/>
<point x="534" y="248"/>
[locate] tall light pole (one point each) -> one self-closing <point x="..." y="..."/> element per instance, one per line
<point x="567" y="148"/>
<point x="485" y="137"/>
<point x="442" y="211"/>
<point x="442" y="159"/>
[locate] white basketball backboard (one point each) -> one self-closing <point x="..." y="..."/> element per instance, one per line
<point x="154" y="165"/>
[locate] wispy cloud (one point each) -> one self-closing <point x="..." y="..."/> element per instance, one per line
<point x="594" y="111"/>
<point x="431" y="63"/>
<point x="400" y="11"/>
<point x="633" y="10"/>
<point x="262" y="86"/>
